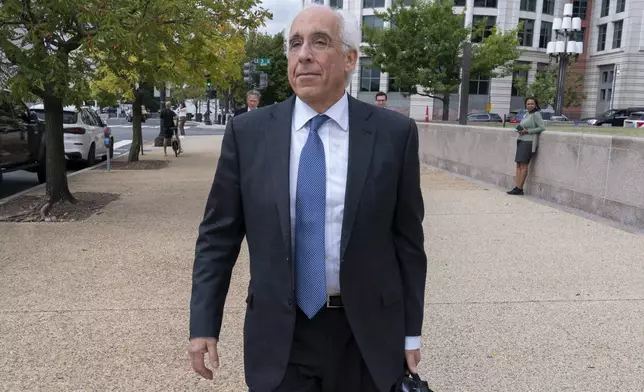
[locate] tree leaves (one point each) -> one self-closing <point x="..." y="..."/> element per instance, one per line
<point x="544" y="87"/>
<point x="423" y="48"/>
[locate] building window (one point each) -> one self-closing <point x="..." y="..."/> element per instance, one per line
<point x="621" y="6"/>
<point x="391" y="83"/>
<point x="318" y="1"/>
<point x="517" y="75"/>
<point x="617" y="33"/>
<point x="579" y="8"/>
<point x="369" y="77"/>
<point x="336" y="3"/>
<point x="545" y="34"/>
<point x="528" y="5"/>
<point x="581" y="35"/>
<point x="484" y="3"/>
<point x="460" y="3"/>
<point x="480" y="85"/>
<point x="605" y="8"/>
<point x="526" y="35"/>
<point x="373" y="3"/>
<point x="601" y="39"/>
<point x="542" y="67"/>
<point x="548" y="7"/>
<point x="605" y="94"/>
<point x="490" y="21"/>
<point x="373" y="22"/>
<point x="607" y="76"/>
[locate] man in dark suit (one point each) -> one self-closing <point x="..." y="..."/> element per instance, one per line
<point x="252" y="101"/>
<point x="326" y="190"/>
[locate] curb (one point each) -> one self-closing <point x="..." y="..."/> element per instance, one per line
<point x="39" y="186"/>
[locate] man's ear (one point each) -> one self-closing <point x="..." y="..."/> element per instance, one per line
<point x="350" y="60"/>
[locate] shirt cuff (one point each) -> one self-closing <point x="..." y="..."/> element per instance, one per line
<point x="412" y="342"/>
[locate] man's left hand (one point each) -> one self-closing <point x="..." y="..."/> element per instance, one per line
<point x="523" y="132"/>
<point x="412" y="357"/>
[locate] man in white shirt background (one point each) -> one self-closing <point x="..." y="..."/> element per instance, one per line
<point x="252" y="102"/>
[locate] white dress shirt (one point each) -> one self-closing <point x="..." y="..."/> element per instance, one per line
<point x="335" y="137"/>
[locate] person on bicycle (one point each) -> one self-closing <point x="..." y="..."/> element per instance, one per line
<point x="169" y="127"/>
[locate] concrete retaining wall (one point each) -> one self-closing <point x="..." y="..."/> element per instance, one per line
<point x="599" y="174"/>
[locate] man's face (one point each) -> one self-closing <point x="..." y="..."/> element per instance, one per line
<point x="317" y="62"/>
<point x="381" y="101"/>
<point x="252" y="101"/>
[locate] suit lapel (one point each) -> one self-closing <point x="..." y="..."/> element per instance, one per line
<point x="278" y="136"/>
<point x="361" y="140"/>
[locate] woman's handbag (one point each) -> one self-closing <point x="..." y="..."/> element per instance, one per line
<point x="412" y="383"/>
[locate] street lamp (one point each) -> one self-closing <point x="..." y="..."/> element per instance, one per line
<point x="568" y="42"/>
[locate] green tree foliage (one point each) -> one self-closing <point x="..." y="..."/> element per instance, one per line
<point x="259" y="45"/>
<point x="171" y="41"/>
<point x="544" y="87"/>
<point x="40" y="42"/>
<point x="424" y="46"/>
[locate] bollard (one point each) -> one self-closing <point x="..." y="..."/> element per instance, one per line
<point x="108" y="133"/>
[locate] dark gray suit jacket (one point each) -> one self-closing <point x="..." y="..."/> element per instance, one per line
<point x="383" y="260"/>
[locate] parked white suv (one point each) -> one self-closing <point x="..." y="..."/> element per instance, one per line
<point x="83" y="134"/>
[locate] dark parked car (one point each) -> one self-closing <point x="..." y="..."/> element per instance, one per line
<point x="613" y="117"/>
<point x="22" y="138"/>
<point x="484" y="117"/>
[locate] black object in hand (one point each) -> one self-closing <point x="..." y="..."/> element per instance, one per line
<point x="413" y="383"/>
<point x="520" y="128"/>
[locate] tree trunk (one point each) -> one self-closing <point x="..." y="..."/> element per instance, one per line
<point x="446" y="107"/>
<point x="56" y="165"/>
<point x="137" y="133"/>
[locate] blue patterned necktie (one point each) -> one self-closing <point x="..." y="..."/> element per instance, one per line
<point x="310" y="211"/>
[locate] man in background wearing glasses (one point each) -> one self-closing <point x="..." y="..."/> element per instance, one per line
<point x="326" y="190"/>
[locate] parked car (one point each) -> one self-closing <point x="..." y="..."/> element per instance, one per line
<point x="635" y="120"/>
<point x="613" y="117"/>
<point x="517" y="117"/>
<point x="83" y="134"/>
<point x="561" y="118"/>
<point x="22" y="138"/>
<point x="484" y="117"/>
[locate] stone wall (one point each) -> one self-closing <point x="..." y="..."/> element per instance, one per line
<point x="599" y="174"/>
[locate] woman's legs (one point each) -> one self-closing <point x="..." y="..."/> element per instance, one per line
<point x="182" y="123"/>
<point x="517" y="176"/>
<point x="522" y="171"/>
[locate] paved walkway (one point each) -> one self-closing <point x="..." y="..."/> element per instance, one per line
<point x="520" y="296"/>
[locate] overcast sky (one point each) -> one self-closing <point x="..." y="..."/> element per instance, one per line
<point x="283" y="12"/>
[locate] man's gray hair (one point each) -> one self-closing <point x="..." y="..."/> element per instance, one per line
<point x="350" y="32"/>
<point x="253" y="92"/>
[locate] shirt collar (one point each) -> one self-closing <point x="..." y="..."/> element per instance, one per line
<point x="339" y="113"/>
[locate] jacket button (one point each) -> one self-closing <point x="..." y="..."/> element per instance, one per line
<point x="290" y="302"/>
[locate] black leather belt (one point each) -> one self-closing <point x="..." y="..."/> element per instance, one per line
<point x="334" y="302"/>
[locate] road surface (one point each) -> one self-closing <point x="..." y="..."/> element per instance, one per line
<point x="121" y="130"/>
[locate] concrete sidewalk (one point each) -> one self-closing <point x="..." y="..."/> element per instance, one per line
<point x="520" y="296"/>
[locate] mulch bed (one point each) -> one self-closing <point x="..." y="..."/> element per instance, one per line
<point x="25" y="208"/>
<point x="138" y="165"/>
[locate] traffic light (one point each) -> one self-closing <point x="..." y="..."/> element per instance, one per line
<point x="263" y="80"/>
<point x="208" y="83"/>
<point x="248" y="72"/>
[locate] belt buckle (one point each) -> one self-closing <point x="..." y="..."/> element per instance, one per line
<point x="328" y="302"/>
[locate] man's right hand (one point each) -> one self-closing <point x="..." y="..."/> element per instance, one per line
<point x="196" y="349"/>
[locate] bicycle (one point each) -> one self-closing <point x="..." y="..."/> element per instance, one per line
<point x="175" y="145"/>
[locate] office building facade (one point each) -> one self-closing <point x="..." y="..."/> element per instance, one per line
<point x="610" y="63"/>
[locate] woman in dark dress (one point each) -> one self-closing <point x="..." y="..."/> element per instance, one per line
<point x="529" y="129"/>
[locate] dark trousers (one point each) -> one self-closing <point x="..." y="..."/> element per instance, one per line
<point x="325" y="356"/>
